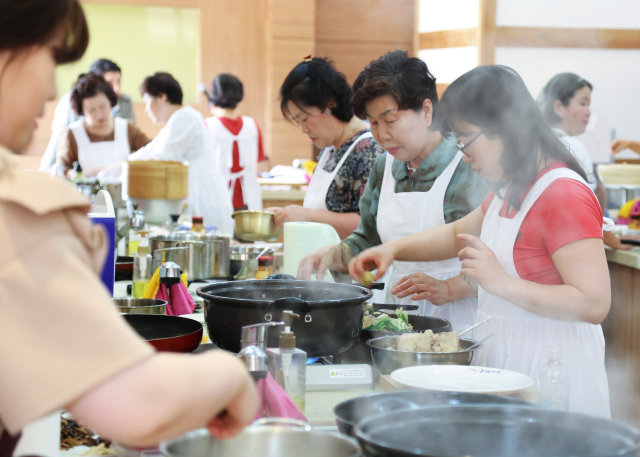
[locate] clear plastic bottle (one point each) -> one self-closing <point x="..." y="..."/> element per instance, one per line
<point x="288" y="364"/>
<point x="142" y="265"/>
<point x="197" y="224"/>
<point x="554" y="382"/>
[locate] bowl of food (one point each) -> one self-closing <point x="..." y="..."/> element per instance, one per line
<point x="392" y="352"/>
<point x="256" y="226"/>
<point x="140" y="305"/>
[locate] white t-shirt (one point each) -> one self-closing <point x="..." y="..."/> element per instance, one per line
<point x="580" y="153"/>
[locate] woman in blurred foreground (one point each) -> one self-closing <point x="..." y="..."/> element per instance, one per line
<point x="534" y="246"/>
<point x="68" y="347"/>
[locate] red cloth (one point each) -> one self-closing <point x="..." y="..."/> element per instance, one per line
<point x="275" y="402"/>
<point x="234" y="126"/>
<point x="181" y="301"/>
<point x="566" y="211"/>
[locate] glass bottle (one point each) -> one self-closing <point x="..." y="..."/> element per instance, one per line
<point x="197" y="224"/>
<point x="554" y="382"/>
<point x="266" y="267"/>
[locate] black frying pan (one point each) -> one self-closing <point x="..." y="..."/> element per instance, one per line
<point x="167" y="333"/>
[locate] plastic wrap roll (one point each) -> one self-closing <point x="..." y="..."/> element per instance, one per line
<point x="301" y="239"/>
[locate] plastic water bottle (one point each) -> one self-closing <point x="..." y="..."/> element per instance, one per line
<point x="554" y="382"/>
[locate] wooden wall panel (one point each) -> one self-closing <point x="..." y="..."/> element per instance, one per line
<point x="486" y="32"/>
<point x="286" y="55"/>
<point x="289" y="143"/>
<point x="568" y="38"/>
<point x="294" y="19"/>
<point x="448" y="38"/>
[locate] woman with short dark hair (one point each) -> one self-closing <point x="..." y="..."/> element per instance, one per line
<point x="534" y="247"/>
<point x="316" y="96"/>
<point x="421" y="182"/>
<point x="184" y="138"/>
<point x="98" y="141"/>
<point x="237" y="141"/>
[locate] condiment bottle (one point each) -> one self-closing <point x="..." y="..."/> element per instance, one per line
<point x="288" y="364"/>
<point x="554" y="382"/>
<point x="78" y="177"/>
<point x="142" y="264"/>
<point x="266" y="267"/>
<point x="197" y="224"/>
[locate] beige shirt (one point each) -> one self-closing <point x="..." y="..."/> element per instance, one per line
<point x="60" y="335"/>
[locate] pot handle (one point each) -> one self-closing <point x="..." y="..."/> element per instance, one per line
<point x="295" y="424"/>
<point x="292" y="303"/>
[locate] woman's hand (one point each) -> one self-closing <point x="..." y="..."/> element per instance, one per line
<point x="620" y="145"/>
<point x="481" y="263"/>
<point x="239" y="413"/>
<point x="291" y="213"/>
<point x="319" y="261"/>
<point x="423" y="287"/>
<point x="378" y="258"/>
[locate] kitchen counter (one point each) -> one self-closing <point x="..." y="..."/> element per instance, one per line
<point x="629" y="258"/>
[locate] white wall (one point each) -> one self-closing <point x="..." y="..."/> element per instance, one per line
<point x="614" y="73"/>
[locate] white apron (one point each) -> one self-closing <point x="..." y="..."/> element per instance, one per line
<point x="405" y="213"/>
<point x="522" y="338"/>
<point x="247" y="140"/>
<point x="321" y="181"/>
<point x="100" y="154"/>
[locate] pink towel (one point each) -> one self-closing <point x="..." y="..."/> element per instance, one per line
<point x="181" y="301"/>
<point x="275" y="402"/>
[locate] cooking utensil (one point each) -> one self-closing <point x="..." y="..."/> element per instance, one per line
<point x="266" y="438"/>
<point x="387" y="358"/>
<point x="473" y="327"/>
<point x="462" y="379"/>
<point x="496" y="431"/>
<point x="124" y="268"/>
<point x="179" y="256"/>
<point x="208" y="255"/>
<point x="247" y="256"/>
<point x="480" y="342"/>
<point x="331" y="313"/>
<point x="350" y="412"/>
<point x="631" y="242"/>
<point x="167" y="333"/>
<point x="361" y="353"/>
<point x="140" y="305"/>
<point x="256" y="226"/>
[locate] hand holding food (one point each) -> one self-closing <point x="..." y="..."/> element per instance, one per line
<point x="366" y="279"/>
<point x="480" y="263"/>
<point x="620" y="145"/>
<point x="423" y="287"/>
<point x="318" y="262"/>
<point x="378" y="258"/>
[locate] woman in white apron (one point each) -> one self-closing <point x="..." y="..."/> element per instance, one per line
<point x="534" y="176"/>
<point x="419" y="184"/>
<point x="185" y="138"/>
<point x="237" y="142"/>
<point x="98" y="141"/>
<point x="316" y="97"/>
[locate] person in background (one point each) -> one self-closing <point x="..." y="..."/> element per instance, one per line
<point x="98" y="139"/>
<point x="64" y="114"/>
<point x="419" y="183"/>
<point x="184" y="138"/>
<point x="565" y="103"/>
<point x="534" y="247"/>
<point x="70" y="349"/>
<point x="237" y="141"/>
<point x="316" y="96"/>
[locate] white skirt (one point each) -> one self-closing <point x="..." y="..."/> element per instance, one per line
<point x="520" y="345"/>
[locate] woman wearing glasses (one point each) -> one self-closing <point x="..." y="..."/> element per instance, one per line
<point x="420" y="183"/>
<point x="534" y="246"/>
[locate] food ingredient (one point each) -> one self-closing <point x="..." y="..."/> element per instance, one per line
<point x="101" y="449"/>
<point x="367" y="279"/>
<point x="429" y="342"/>
<point x="73" y="434"/>
<point x="382" y="322"/>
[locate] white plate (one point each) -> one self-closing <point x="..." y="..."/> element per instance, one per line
<point x="460" y="378"/>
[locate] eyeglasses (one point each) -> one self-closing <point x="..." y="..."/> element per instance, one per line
<point x="461" y="146"/>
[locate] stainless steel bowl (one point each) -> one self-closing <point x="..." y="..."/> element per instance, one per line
<point x="248" y="258"/>
<point x="256" y="226"/>
<point x="140" y="305"/>
<point x="263" y="441"/>
<point x="388" y="359"/>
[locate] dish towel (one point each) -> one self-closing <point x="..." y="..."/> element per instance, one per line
<point x="179" y="300"/>
<point x="274" y="401"/>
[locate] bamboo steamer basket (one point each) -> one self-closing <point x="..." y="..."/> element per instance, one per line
<point x="156" y="179"/>
<point x="619" y="173"/>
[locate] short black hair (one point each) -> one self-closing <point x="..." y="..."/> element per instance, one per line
<point x="102" y="66"/>
<point x="314" y="82"/>
<point x="226" y="91"/>
<point x="89" y="85"/>
<point x="162" y="83"/>
<point x="563" y="87"/>
<point x="406" y="79"/>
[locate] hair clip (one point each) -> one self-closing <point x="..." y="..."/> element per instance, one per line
<point x="308" y="58"/>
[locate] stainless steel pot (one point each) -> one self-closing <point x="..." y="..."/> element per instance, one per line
<point x="208" y="255"/>
<point x="496" y="431"/>
<point x="248" y="256"/>
<point x="619" y="194"/>
<point x="266" y="438"/>
<point x="388" y="359"/>
<point x="140" y="305"/>
<point x="256" y="226"/>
